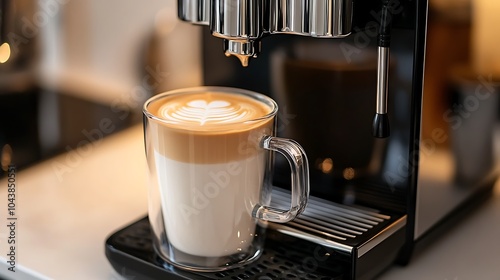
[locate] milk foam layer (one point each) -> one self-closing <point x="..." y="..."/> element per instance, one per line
<point x="208" y="110"/>
<point x="207" y="207"/>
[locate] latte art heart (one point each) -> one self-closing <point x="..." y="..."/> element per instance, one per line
<point x="208" y="110"/>
<point x="200" y="111"/>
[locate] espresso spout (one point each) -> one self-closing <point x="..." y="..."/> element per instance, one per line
<point x="242" y="49"/>
<point x="243" y="23"/>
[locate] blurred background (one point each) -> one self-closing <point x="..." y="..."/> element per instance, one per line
<point x="76" y="71"/>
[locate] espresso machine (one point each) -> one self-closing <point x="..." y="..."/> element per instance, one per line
<point x="348" y="77"/>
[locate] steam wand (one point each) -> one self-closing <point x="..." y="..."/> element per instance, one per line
<point x="381" y="128"/>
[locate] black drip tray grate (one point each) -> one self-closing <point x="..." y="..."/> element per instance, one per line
<point x="284" y="257"/>
<point x="272" y="266"/>
<point x="342" y="226"/>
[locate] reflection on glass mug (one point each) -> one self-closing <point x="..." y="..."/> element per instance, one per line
<point x="209" y="153"/>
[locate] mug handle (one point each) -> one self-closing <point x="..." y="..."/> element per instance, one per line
<point x="299" y="167"/>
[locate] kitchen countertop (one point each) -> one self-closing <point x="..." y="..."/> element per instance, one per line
<point x="67" y="206"/>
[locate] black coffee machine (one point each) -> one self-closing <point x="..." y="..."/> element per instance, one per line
<point x="379" y="187"/>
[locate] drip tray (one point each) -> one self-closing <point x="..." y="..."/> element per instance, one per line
<point x="327" y="241"/>
<point x="131" y="253"/>
<point x="350" y="229"/>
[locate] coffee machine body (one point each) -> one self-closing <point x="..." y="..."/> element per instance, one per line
<point x="327" y="92"/>
<point x="373" y="199"/>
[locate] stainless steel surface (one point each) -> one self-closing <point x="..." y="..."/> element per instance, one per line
<point x="319" y="18"/>
<point x="237" y="19"/>
<point x="242" y="49"/>
<point x="381" y="236"/>
<point x="382" y="80"/>
<point x="242" y="23"/>
<point x="194" y="11"/>
<point x="333" y="225"/>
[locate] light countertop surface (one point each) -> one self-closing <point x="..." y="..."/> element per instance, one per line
<point x="67" y="206"/>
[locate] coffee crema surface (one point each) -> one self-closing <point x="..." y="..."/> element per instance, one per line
<point x="209" y="127"/>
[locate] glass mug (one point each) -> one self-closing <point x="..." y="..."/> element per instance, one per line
<point x="209" y="153"/>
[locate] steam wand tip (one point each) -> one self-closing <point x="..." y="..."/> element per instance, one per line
<point x="381" y="128"/>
